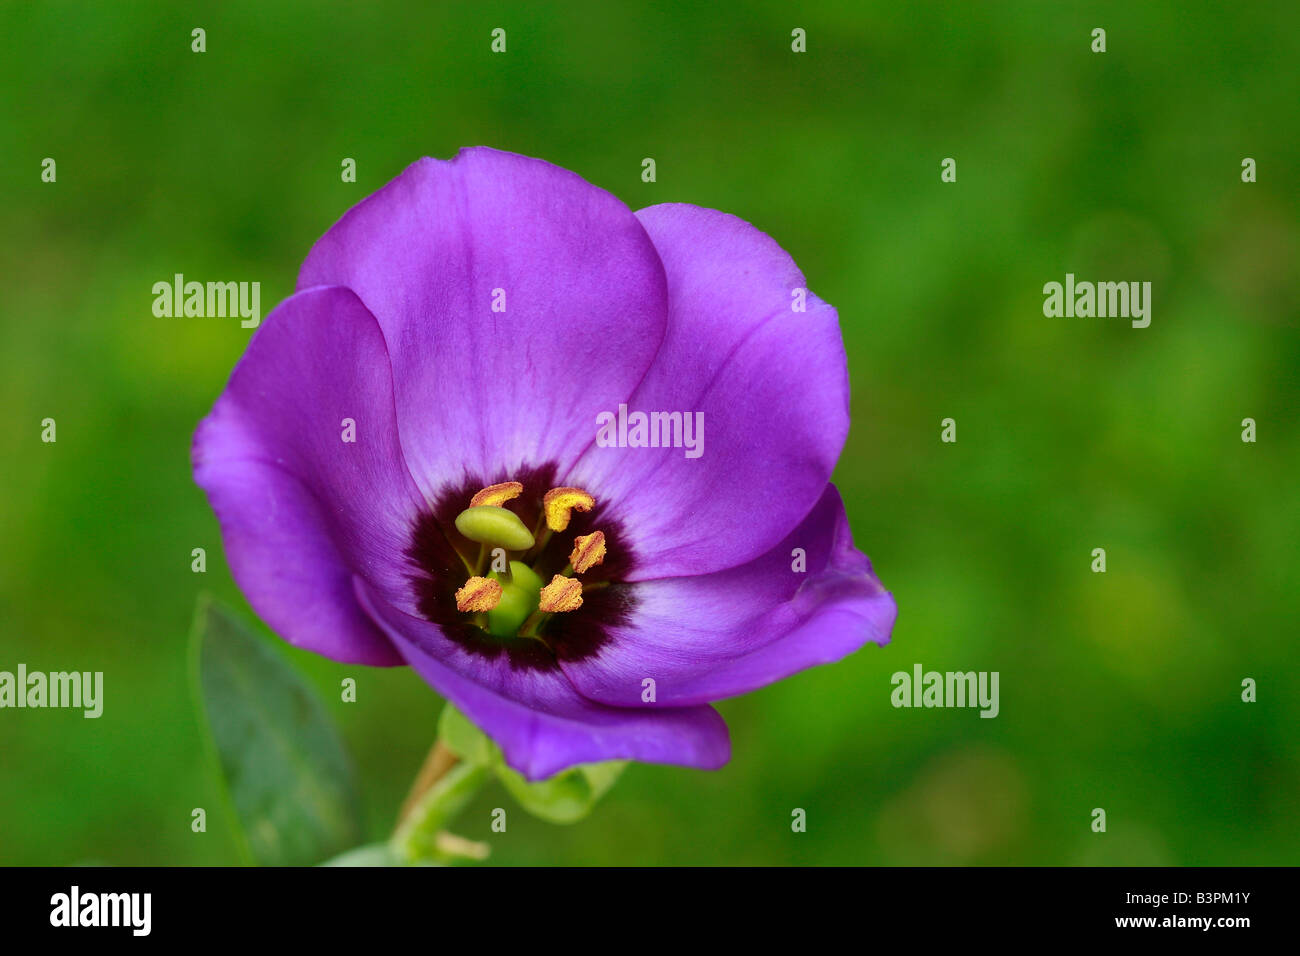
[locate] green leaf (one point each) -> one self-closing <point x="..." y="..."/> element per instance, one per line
<point x="288" y="778"/>
<point x="447" y="849"/>
<point x="374" y="854"/>
<point x="564" y="798"/>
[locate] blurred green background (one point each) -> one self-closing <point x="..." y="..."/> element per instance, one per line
<point x="1118" y="690"/>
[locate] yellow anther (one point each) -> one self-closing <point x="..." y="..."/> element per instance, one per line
<point x="497" y="494"/>
<point x="559" y="502"/>
<point x="588" y="551"/>
<point x="478" y="594"/>
<point x="562" y="594"/>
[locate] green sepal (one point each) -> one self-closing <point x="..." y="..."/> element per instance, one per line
<point x="566" y="797"/>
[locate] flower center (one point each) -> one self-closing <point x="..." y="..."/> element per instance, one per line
<point x="514" y="624"/>
<point x="504" y="593"/>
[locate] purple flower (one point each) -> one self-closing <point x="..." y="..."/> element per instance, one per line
<point x="478" y="322"/>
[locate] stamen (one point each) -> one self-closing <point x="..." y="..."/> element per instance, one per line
<point x="478" y="594"/>
<point x="497" y="494"/>
<point x="559" y="502"/>
<point x="588" y="551"/>
<point x="562" y="594"/>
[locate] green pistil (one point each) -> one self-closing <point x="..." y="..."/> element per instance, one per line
<point x="492" y="527"/>
<point x="520" y="593"/>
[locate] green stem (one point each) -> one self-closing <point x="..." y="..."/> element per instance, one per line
<point x="532" y="623"/>
<point x="443" y="787"/>
<point x="539" y="546"/>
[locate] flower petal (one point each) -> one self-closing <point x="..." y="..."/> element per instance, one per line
<point x="301" y="510"/>
<point x="772" y="385"/>
<point x="540" y="722"/>
<point x="479" y="391"/>
<point x="712" y="636"/>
